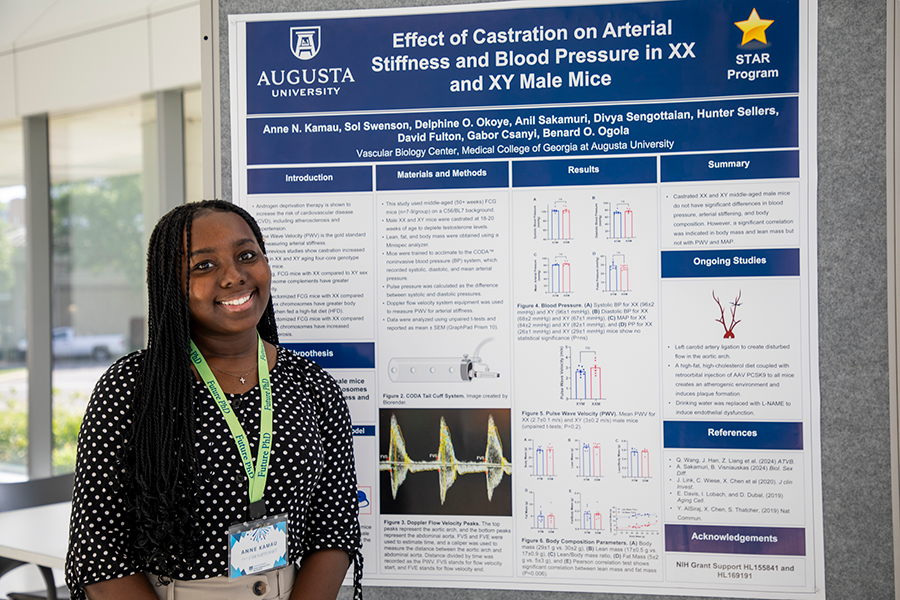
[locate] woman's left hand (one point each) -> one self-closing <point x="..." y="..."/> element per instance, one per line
<point x="321" y="574"/>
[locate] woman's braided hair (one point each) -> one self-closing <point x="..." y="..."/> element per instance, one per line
<point x="159" y="461"/>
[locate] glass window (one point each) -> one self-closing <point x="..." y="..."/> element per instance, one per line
<point x="102" y="184"/>
<point x="193" y="146"/>
<point x="13" y="270"/>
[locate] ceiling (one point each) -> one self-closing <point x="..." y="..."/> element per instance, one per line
<point x="25" y="23"/>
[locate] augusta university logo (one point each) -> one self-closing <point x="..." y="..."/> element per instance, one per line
<point x="306" y="41"/>
<point x="305" y="44"/>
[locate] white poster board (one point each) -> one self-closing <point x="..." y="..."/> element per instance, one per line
<point x="562" y="261"/>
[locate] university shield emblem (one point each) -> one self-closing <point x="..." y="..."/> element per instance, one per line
<point x="306" y="41"/>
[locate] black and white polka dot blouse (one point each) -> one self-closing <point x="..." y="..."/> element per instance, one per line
<point x="311" y="478"/>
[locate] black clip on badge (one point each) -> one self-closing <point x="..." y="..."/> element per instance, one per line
<point x="257" y="509"/>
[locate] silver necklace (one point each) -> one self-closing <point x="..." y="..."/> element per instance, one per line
<point x="240" y="377"/>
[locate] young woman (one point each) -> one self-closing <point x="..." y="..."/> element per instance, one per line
<point x="197" y="453"/>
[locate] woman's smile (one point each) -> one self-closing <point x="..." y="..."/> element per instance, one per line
<point x="237" y="304"/>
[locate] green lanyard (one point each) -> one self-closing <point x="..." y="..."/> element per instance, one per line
<point x="256" y="478"/>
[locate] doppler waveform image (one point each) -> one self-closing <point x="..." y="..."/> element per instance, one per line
<point x="445" y="462"/>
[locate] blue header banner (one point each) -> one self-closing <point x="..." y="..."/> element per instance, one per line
<point x="733" y="434"/>
<point x="443" y="176"/>
<point x="304" y="181"/>
<point x="734" y="165"/>
<point x="777" y="262"/>
<point x="329" y="355"/>
<point x="718" y="539"/>
<point x="603" y="171"/>
<point x="555" y="54"/>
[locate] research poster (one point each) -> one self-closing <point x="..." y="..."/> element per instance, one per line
<point x="561" y="258"/>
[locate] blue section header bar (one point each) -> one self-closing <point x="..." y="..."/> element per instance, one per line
<point x="364" y="431"/>
<point x="443" y="176"/>
<point x="733" y="435"/>
<point x="313" y="180"/>
<point x="606" y="171"/>
<point x="337" y="355"/>
<point x="717" y="539"/>
<point x="731" y="263"/>
<point x="539" y="55"/>
<point x="738" y="165"/>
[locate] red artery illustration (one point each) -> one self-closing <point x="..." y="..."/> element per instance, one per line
<point x="729" y="329"/>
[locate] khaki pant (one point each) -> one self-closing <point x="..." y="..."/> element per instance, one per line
<point x="273" y="585"/>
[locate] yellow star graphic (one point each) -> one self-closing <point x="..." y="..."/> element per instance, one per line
<point x="754" y="28"/>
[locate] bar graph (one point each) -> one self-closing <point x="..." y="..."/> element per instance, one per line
<point x="633" y="461"/>
<point x="619" y="221"/>
<point x="586" y="459"/>
<point x="540" y="458"/>
<point x="540" y="516"/>
<point x="559" y="221"/>
<point x="613" y="273"/>
<point x="618" y="279"/>
<point x="582" y="374"/>
<point x="559" y="275"/>
<point x="586" y="514"/>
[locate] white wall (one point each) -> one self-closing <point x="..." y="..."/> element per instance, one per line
<point x="68" y="55"/>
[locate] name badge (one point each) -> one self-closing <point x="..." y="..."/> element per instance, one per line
<point x="257" y="546"/>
